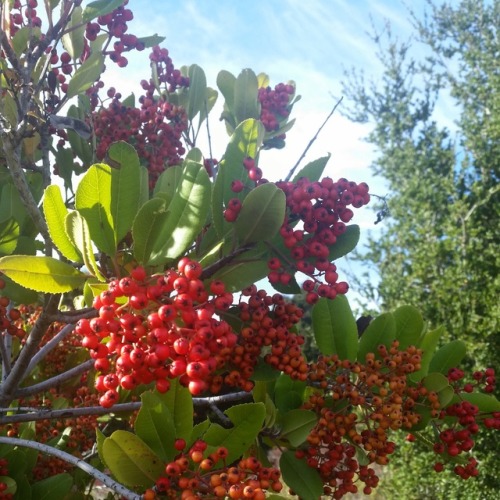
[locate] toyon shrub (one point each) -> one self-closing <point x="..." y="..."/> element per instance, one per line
<point x="151" y="333"/>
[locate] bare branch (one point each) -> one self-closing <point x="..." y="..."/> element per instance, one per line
<point x="311" y="142"/>
<point x="77" y="462"/>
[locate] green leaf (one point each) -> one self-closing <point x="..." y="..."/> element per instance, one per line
<point x="78" y="231"/>
<point x="438" y="383"/>
<point x="155" y="426"/>
<point x="262" y="214"/>
<point x="151" y="41"/>
<point x="57" y="486"/>
<point x="428" y="344"/>
<point x="226" y="82"/>
<point x="23" y="37"/>
<point x="100" y="8"/>
<point x="131" y="461"/>
<point x="148" y="223"/>
<point x="43" y="274"/>
<point x="487" y="403"/>
<point x="9" y="236"/>
<point x="93" y="201"/>
<point x="55" y="212"/>
<point x="382" y="330"/>
<point x="302" y="479"/>
<point x="296" y="425"/>
<point x="197" y="91"/>
<point x="246" y="104"/>
<point x="313" y="170"/>
<point x="245" y="142"/>
<point x="448" y="356"/>
<point x="247" y="421"/>
<point x="180" y="403"/>
<point x="108" y="198"/>
<point x="185" y="215"/>
<point x="73" y="38"/>
<point x="100" y="438"/>
<point x="409" y="325"/>
<point x="346" y="242"/>
<point x="11" y="484"/>
<point x="288" y="393"/>
<point x="86" y="75"/>
<point x="335" y="328"/>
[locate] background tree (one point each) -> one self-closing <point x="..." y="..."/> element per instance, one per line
<point x="438" y="249"/>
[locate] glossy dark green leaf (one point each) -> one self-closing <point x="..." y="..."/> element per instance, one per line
<point x="148" y="223"/>
<point x="151" y="41"/>
<point x="288" y="393"/>
<point x="296" y="425"/>
<point x="246" y="104"/>
<point x="186" y="214"/>
<point x="438" y="383"/>
<point x="226" y="82"/>
<point x="409" y="326"/>
<point x="245" y="142"/>
<point x="335" y="328"/>
<point x="247" y="420"/>
<point x="57" y="486"/>
<point x="155" y="426"/>
<point x="302" y="479"/>
<point x="100" y="8"/>
<point x="86" y="75"/>
<point x="345" y="243"/>
<point x="262" y="214"/>
<point x="73" y="38"/>
<point x="428" y="343"/>
<point x="448" y="356"/>
<point x="313" y="170"/>
<point x="487" y="403"/>
<point x="197" y="91"/>
<point x="382" y="330"/>
<point x="179" y="401"/>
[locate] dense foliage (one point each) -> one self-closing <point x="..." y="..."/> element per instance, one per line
<point x="438" y="249"/>
<point x="136" y="347"/>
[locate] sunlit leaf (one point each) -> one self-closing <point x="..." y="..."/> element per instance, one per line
<point x="55" y="212"/>
<point x="100" y="8"/>
<point x="448" y="356"/>
<point x="409" y="325"/>
<point x="86" y="75"/>
<point x="43" y="274"/>
<point x="313" y="170"/>
<point x="246" y="104"/>
<point x="131" y="461"/>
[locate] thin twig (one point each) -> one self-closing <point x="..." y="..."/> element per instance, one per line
<point x="311" y="142"/>
<point x="54" y="381"/>
<point x="77" y="462"/>
<point x="48" y="347"/>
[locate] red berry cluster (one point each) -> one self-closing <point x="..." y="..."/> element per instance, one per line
<point x="460" y="422"/>
<point x="275" y="105"/>
<point x="4" y="471"/>
<point x="196" y="473"/>
<point x="115" y="25"/>
<point x="23" y="15"/>
<point x="154" y="129"/>
<point x="9" y="316"/>
<point x="322" y="208"/>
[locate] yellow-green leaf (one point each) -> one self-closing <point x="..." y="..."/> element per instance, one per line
<point x="55" y="212"/>
<point x="43" y="274"/>
<point x="130" y="460"/>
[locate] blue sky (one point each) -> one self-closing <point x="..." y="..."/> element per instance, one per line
<point x="311" y="42"/>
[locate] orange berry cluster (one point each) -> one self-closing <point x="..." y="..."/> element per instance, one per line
<point x="358" y="404"/>
<point x="197" y="474"/>
<point x="267" y="323"/>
